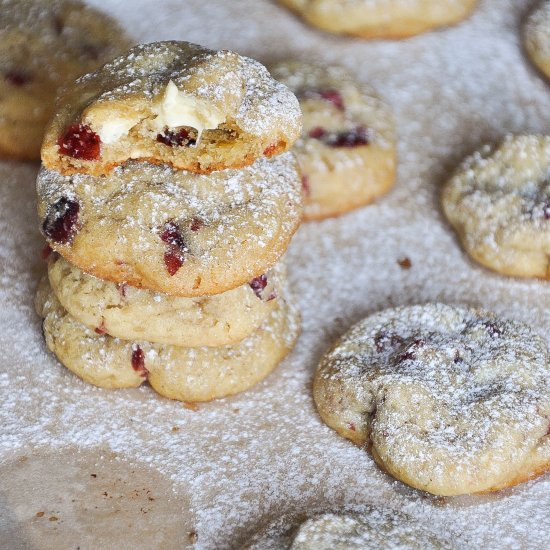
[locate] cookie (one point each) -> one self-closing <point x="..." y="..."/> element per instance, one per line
<point x="448" y="400"/>
<point x="173" y="103"/>
<point x="536" y="36"/>
<point x="347" y="148"/>
<point x="44" y="45"/>
<point x="129" y="313"/>
<point x="173" y="231"/>
<point x="381" y="18"/>
<point x="498" y="201"/>
<point x="186" y="374"/>
<point x="372" y="528"/>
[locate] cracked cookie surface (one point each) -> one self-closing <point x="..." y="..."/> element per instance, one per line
<point x="448" y="400"/>
<point x="498" y="202"/>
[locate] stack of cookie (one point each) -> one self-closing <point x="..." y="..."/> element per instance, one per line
<point x="168" y="199"/>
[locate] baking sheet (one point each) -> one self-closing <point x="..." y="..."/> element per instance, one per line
<point x="218" y="473"/>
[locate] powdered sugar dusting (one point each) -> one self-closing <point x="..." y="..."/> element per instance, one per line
<point x="248" y="459"/>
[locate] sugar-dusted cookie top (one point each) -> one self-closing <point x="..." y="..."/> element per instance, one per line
<point x="174" y="103"/>
<point x="347" y="148"/>
<point x="381" y="18"/>
<point x="499" y="203"/>
<point x="45" y="44"/>
<point x="173" y="231"/>
<point x="448" y="400"/>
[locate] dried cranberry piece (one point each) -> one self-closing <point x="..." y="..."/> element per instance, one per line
<point x="174" y="256"/>
<point x="138" y="362"/>
<point x="173" y="260"/>
<point x="80" y="142"/>
<point x="383" y="340"/>
<point x="61" y="221"/>
<point x="196" y="224"/>
<point x="306" y="188"/>
<point x="457" y="357"/>
<point x="332" y="96"/>
<point x="176" y="138"/>
<point x="101" y="328"/>
<point x="412" y="350"/>
<point x="317" y="133"/>
<point x="348" y="138"/>
<point x="546" y="210"/>
<point x="16" y="78"/>
<point x="258" y="284"/>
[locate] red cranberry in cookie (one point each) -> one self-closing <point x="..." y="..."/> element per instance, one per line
<point x="80" y="142"/>
<point x="61" y="221"/>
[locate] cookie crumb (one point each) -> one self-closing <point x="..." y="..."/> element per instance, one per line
<point x="404" y="262"/>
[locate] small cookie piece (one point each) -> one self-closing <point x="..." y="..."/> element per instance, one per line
<point x="372" y="528"/>
<point x="173" y="103"/>
<point x="129" y="313"/>
<point x="45" y="44"/>
<point x="172" y="231"/>
<point x="186" y="374"/>
<point x="536" y="36"/>
<point x="448" y="400"/>
<point x="347" y="149"/>
<point x="381" y="18"/>
<point x="499" y="203"/>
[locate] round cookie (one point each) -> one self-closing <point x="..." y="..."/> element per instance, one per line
<point x="173" y="231"/>
<point x="173" y="103"/>
<point x="45" y="44"/>
<point x="186" y="374"/>
<point x="372" y="528"/>
<point x="448" y="400"/>
<point x="130" y="313"/>
<point x="536" y="36"/>
<point x="498" y="201"/>
<point x="381" y="18"/>
<point x="347" y="149"/>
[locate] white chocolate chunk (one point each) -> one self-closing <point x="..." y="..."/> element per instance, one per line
<point x="180" y="109"/>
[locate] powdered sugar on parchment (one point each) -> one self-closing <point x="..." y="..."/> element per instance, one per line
<point x="245" y="460"/>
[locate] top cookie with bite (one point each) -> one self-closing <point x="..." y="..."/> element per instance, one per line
<point x="171" y="103"/>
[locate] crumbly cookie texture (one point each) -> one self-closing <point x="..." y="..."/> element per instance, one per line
<point x="346" y="151"/>
<point x="367" y="528"/>
<point x="173" y="231"/>
<point x="44" y="45"/>
<point x="130" y="313"/>
<point x="499" y="203"/>
<point x="536" y="36"/>
<point x="448" y="400"/>
<point x="186" y="374"/>
<point x="381" y="18"/>
<point x="173" y="103"/>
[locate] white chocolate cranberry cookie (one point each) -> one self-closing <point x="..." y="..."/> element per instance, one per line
<point x="499" y="203"/>
<point x="130" y="313"/>
<point x="381" y="18"/>
<point x="173" y="103"/>
<point x="186" y="374"/>
<point x="448" y="400"/>
<point x="536" y="36"/>
<point x="373" y="528"/>
<point x="347" y="149"/>
<point x="45" y="44"/>
<point x="173" y="231"/>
